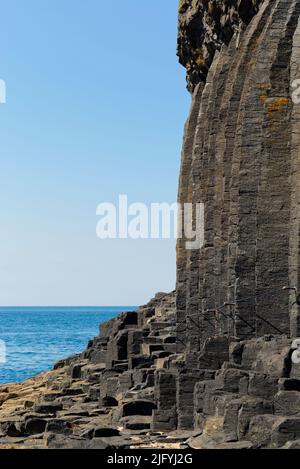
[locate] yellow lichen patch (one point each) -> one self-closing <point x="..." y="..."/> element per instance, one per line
<point x="264" y="86"/>
<point x="277" y="104"/>
<point x="200" y="62"/>
<point x="198" y="57"/>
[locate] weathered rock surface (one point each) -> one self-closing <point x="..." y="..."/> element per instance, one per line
<point x="204" y="26"/>
<point x="101" y="398"/>
<point x="210" y="365"/>
<point x="134" y="398"/>
<point x="241" y="160"/>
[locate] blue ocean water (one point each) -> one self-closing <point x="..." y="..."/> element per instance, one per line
<point x="35" y="338"/>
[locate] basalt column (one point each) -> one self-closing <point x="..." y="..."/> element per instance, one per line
<point x="241" y="159"/>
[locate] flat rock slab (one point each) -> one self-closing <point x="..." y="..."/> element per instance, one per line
<point x="101" y="432"/>
<point x="47" y="407"/>
<point x="137" y="422"/>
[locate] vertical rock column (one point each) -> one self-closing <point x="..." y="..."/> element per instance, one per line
<point x="241" y="159"/>
<point x="184" y="196"/>
<point x="294" y="252"/>
<point x="274" y="196"/>
<point x="165" y="416"/>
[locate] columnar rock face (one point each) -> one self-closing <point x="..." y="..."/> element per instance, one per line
<point x="210" y="365"/>
<point x="241" y="159"/>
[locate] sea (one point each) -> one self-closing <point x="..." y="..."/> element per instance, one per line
<point x="32" y="339"/>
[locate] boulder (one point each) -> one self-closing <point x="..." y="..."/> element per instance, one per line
<point x="260" y="430"/>
<point x="100" y="432"/>
<point x="47" y="407"/>
<point x="137" y="422"/>
<point x="59" y="426"/>
<point x="262" y="385"/>
<point x="285" y="430"/>
<point x="11" y="427"/>
<point x="287" y="403"/>
<point x="230" y="379"/>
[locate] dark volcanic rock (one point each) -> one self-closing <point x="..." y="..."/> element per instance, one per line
<point x="287" y="429"/>
<point x="260" y="429"/>
<point x="58" y="426"/>
<point x="137" y="407"/>
<point x="11" y="427"/>
<point x="137" y="422"/>
<point x="35" y="425"/>
<point x="204" y="26"/>
<point x="47" y="407"/>
<point x="216" y="355"/>
<point x="99" y="432"/>
<point x="55" y="441"/>
<point x="108" y="401"/>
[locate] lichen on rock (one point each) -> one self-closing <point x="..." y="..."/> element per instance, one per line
<point x="204" y="26"/>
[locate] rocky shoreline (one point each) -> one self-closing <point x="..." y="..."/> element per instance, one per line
<point x="101" y="398"/>
<point x="210" y="365"/>
<point x="131" y="389"/>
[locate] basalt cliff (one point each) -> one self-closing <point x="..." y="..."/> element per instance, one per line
<point x="211" y="365"/>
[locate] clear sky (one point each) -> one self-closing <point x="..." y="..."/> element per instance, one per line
<point x="96" y="104"/>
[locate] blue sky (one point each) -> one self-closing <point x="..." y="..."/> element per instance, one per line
<point x="96" y="104"/>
